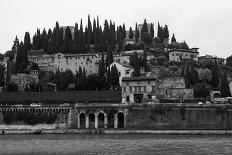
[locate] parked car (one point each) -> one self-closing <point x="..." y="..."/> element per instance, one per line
<point x="36" y="105"/>
<point x="64" y="104"/>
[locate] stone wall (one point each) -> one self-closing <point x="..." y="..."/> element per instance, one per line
<point x="165" y="117"/>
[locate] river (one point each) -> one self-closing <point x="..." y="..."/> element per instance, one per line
<point x="114" y="144"/>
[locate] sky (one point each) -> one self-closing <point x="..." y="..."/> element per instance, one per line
<point x="205" y="24"/>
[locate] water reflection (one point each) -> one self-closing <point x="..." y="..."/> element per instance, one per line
<point x="115" y="144"/>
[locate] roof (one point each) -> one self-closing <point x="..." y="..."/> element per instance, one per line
<point x="210" y="57"/>
<point x="125" y="65"/>
<point x="184" y="50"/>
<point x="140" y="78"/>
<point x="61" y="97"/>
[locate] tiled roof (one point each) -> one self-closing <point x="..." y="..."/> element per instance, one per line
<point x="183" y="50"/>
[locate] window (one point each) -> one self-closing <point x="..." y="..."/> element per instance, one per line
<point x="119" y="74"/>
<point x="144" y="88"/>
<point x="186" y="55"/>
<point x="127" y="71"/>
<point x="139" y="89"/>
<point x="83" y="57"/>
<point x="177" y="54"/>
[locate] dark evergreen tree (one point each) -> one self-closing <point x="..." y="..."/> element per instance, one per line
<point x="89" y="35"/>
<point x="136" y="33"/>
<point x="76" y="43"/>
<point x="2" y="77"/>
<point x="225" y="89"/>
<point x="145" y="36"/>
<point x="124" y="31"/>
<point x="152" y="32"/>
<point x="67" y="39"/>
<point x="136" y="65"/>
<point x="187" y="77"/>
<point x="166" y="32"/>
<point x="114" y="78"/>
<point x="215" y="78"/>
<point x="27" y="42"/>
<point x="131" y="33"/>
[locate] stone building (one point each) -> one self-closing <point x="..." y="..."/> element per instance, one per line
<point x="179" y="54"/>
<point x="125" y="70"/>
<point x="146" y="89"/>
<point x="211" y="59"/>
<point x="138" y="89"/>
<point x="23" y="81"/>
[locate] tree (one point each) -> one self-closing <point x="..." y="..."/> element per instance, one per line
<point x="145" y="36"/>
<point x="136" y="65"/>
<point x="114" y="78"/>
<point x="166" y="32"/>
<point x="89" y="35"/>
<point x="2" y="77"/>
<point x="136" y="33"/>
<point x="131" y="34"/>
<point x="152" y="30"/>
<point x="187" y="77"/>
<point x="225" y="89"/>
<point x="215" y="78"/>
<point x="67" y="39"/>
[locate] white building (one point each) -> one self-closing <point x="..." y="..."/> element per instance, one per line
<point x="73" y="62"/>
<point x="124" y="70"/>
<point x="179" y="54"/>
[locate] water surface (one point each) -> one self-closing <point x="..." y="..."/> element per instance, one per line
<point x="115" y="144"/>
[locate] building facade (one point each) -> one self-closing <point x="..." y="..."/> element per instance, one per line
<point x="180" y="54"/>
<point x="124" y="70"/>
<point x="211" y="59"/>
<point x="138" y="89"/>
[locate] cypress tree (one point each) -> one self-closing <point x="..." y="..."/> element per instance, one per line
<point x="225" y="89"/>
<point x="2" y="77"/>
<point x="45" y="40"/>
<point x="89" y="35"/>
<point x="215" y="78"/>
<point x="136" y="33"/>
<point x="27" y="42"/>
<point x="187" y="77"/>
<point x="131" y="33"/>
<point x="152" y="30"/>
<point x="124" y="31"/>
<point x="166" y="32"/>
<point x="136" y="65"/>
<point x="114" y="78"/>
<point x="67" y="38"/>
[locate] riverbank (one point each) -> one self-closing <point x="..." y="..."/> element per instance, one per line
<point x="116" y="131"/>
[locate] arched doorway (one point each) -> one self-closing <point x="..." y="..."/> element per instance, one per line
<point x="91" y="120"/>
<point x="120" y="120"/>
<point x="101" y="118"/>
<point x="82" y="118"/>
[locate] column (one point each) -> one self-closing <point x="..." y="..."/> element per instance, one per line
<point x="87" y="121"/>
<point x="78" y="121"/>
<point x="116" y="121"/>
<point x="105" y="121"/>
<point x="96" y="121"/>
<point x="125" y="118"/>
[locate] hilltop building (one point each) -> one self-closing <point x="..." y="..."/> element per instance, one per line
<point x="179" y="54"/>
<point x="209" y="58"/>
